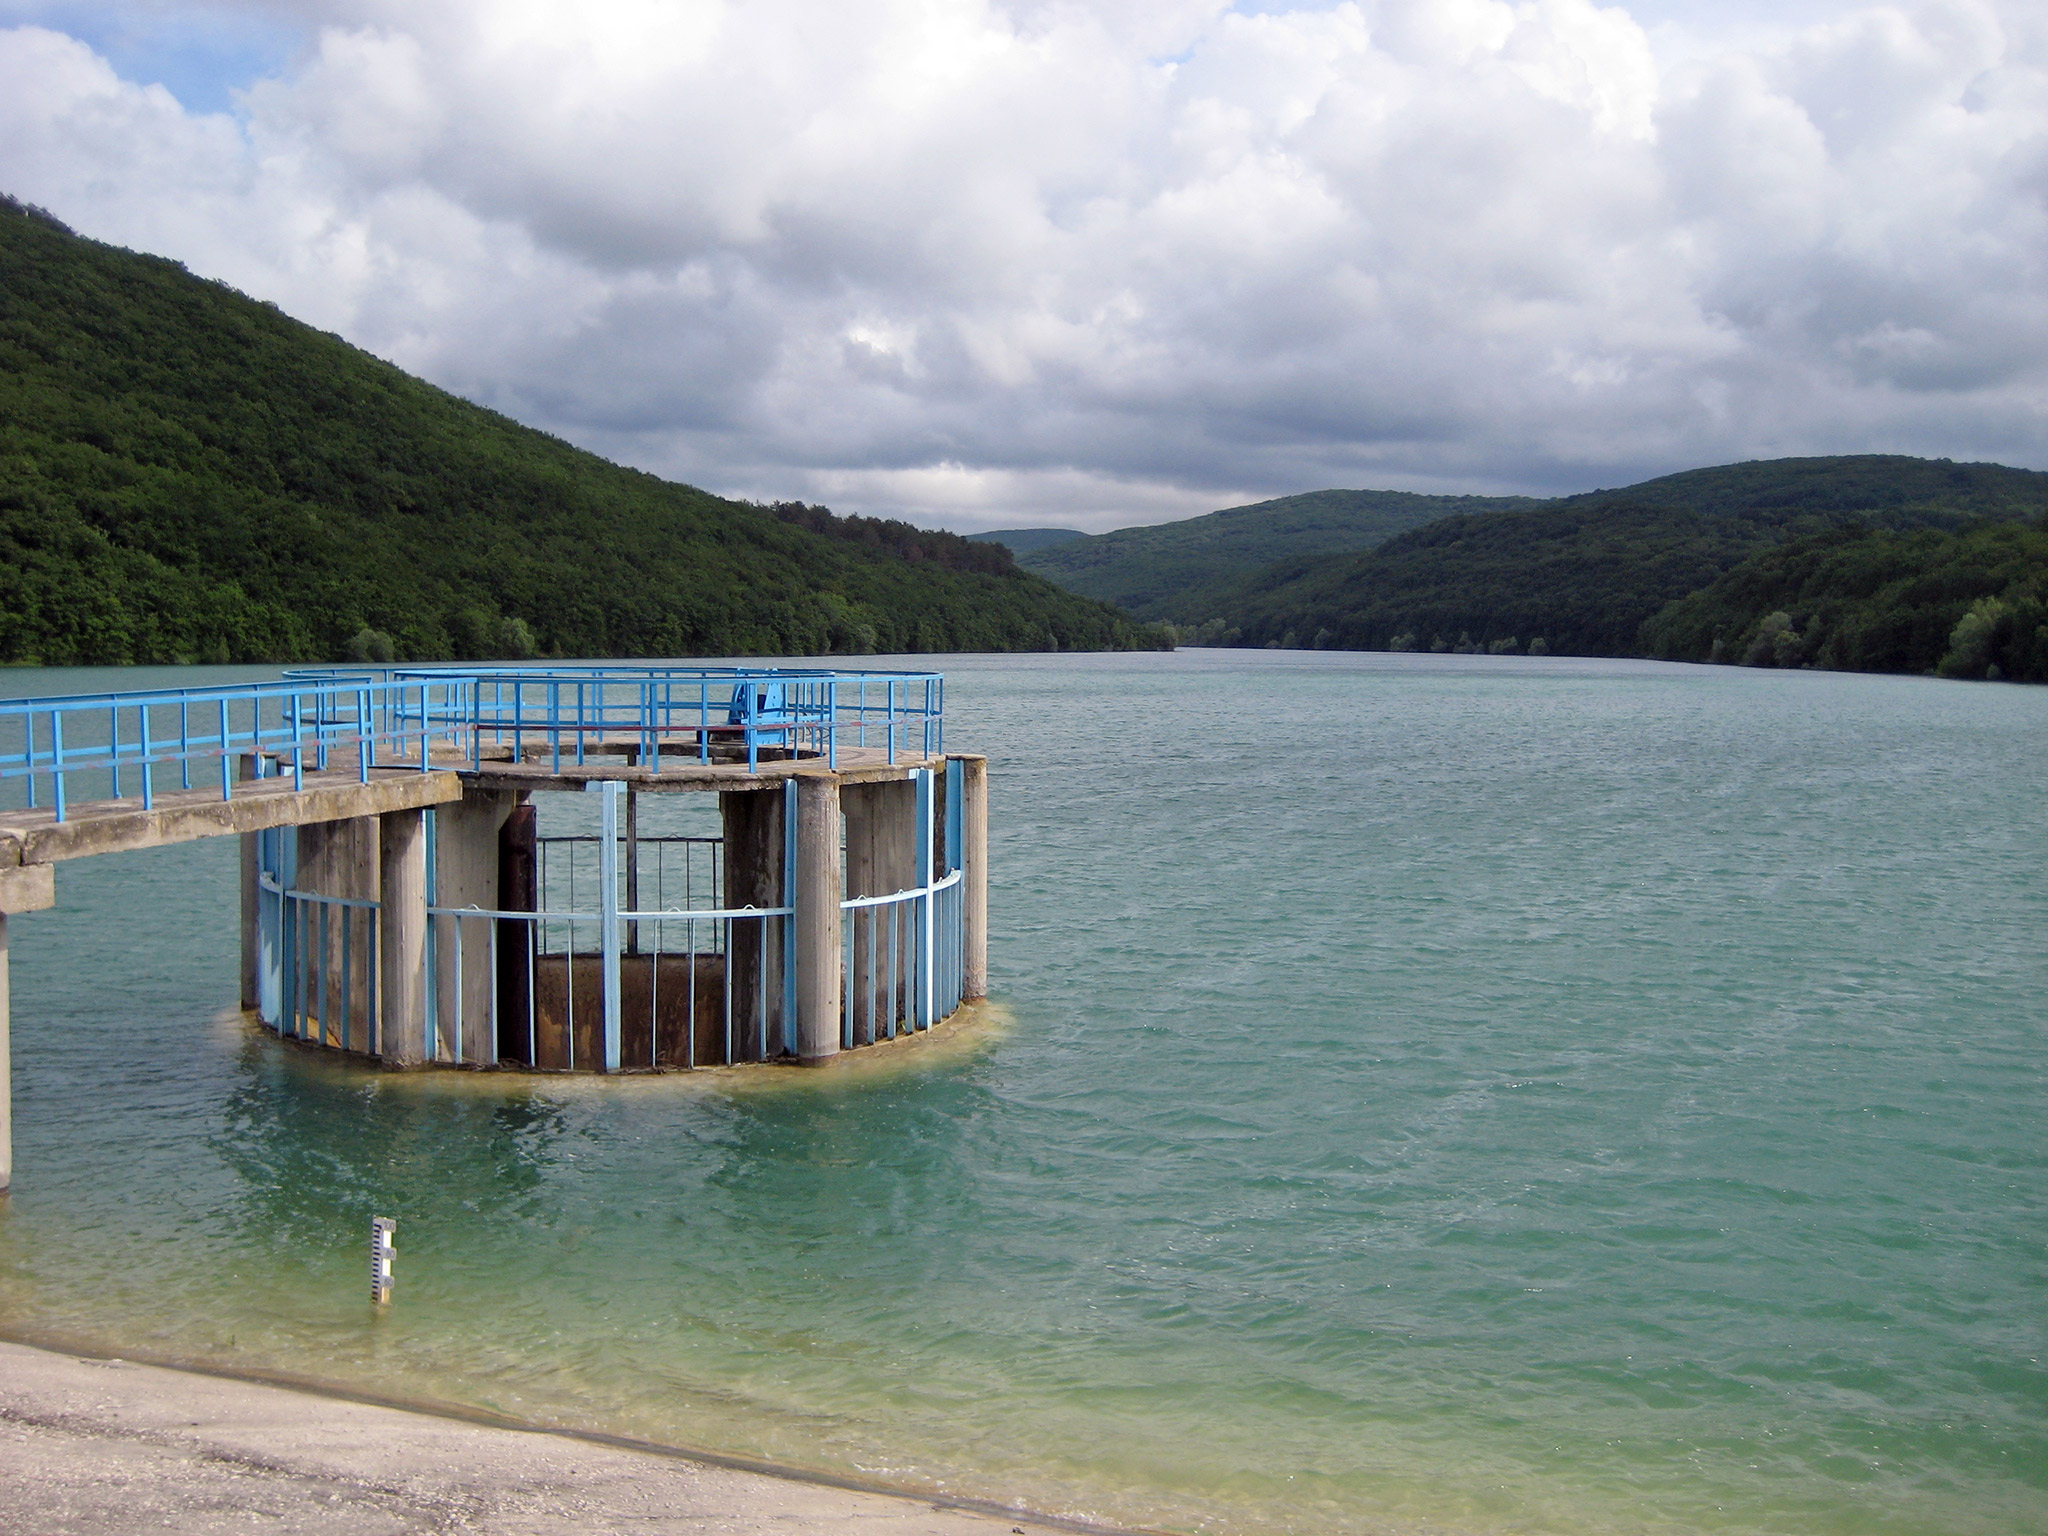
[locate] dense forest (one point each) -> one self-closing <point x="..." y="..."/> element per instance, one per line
<point x="1594" y="574"/>
<point x="1186" y="571"/>
<point x="1965" y="603"/>
<point x="187" y="474"/>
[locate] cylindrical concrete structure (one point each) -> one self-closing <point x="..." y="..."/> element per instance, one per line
<point x="402" y="936"/>
<point x="974" y="877"/>
<point x="819" y="888"/>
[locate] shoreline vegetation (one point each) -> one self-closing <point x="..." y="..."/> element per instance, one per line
<point x="189" y="475"/>
<point x="1873" y="563"/>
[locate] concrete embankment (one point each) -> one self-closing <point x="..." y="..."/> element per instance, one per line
<point x="101" y="1446"/>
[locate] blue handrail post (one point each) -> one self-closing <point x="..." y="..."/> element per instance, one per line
<point x="923" y="779"/>
<point x="148" y="789"/>
<point x="57" y="762"/>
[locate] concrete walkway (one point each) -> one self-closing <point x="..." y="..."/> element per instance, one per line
<point x="90" y="1447"/>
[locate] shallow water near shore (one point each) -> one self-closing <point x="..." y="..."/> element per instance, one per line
<point x="1432" y="1094"/>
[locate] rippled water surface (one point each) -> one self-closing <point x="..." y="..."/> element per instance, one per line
<point x="1436" y="1094"/>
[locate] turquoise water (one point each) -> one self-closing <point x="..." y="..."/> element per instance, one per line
<point x="1434" y="1094"/>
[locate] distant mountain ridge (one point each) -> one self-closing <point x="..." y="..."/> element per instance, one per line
<point x="1586" y="573"/>
<point x="187" y="474"/>
<point x="1180" y="571"/>
<point x="1020" y="541"/>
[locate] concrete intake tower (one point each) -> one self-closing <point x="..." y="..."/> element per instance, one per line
<point x="406" y="900"/>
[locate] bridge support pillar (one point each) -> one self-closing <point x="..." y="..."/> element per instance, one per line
<point x="974" y="897"/>
<point x="402" y="936"/>
<point x="252" y="900"/>
<point x="820" y="885"/>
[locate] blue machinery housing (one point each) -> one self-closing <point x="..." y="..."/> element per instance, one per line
<point x="402" y="901"/>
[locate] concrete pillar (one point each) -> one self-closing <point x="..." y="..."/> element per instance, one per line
<point x="974" y="879"/>
<point x="252" y="904"/>
<point x="466" y="875"/>
<point x="402" y="936"/>
<point x="819" y="884"/>
<point x="336" y="858"/>
<point x="881" y="859"/>
<point x="27" y="888"/>
<point x="754" y="844"/>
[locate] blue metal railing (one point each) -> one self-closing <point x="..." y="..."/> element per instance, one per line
<point x="122" y="739"/>
<point x="694" y="711"/>
<point x="451" y="717"/>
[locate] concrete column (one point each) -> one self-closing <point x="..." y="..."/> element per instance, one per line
<point x="974" y="850"/>
<point x="819" y="884"/>
<point x="337" y="858"/>
<point x="402" y="936"/>
<point x="252" y="904"/>
<point x="881" y="859"/>
<point x="466" y="875"/>
<point x="26" y="888"/>
<point x="752" y="820"/>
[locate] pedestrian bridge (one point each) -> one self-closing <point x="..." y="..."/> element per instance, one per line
<point x="401" y="901"/>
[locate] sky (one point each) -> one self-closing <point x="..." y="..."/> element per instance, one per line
<point x="1094" y="263"/>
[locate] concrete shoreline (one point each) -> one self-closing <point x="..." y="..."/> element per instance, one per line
<point x="91" y="1446"/>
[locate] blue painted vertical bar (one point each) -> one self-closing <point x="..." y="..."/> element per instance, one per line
<point x="922" y="777"/>
<point x="608" y="909"/>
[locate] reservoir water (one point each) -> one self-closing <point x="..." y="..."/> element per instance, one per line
<point x="1431" y="1094"/>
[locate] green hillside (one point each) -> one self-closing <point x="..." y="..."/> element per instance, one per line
<point x="188" y="474"/>
<point x="1586" y="572"/>
<point x="1180" y="571"/>
<point x="1967" y="603"/>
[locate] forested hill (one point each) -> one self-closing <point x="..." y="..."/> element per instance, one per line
<point x="1585" y="573"/>
<point x="1181" y="570"/>
<point x="188" y="474"/>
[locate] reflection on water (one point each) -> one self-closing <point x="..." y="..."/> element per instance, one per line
<point x="1439" y="1094"/>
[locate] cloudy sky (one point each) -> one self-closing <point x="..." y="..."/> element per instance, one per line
<point x="989" y="263"/>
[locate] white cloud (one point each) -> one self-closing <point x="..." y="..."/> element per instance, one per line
<point x="993" y="263"/>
